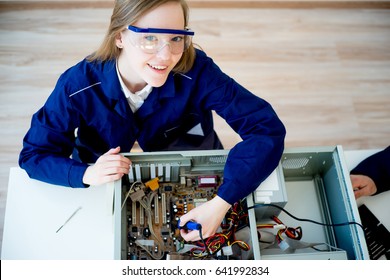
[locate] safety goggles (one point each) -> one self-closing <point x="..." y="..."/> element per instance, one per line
<point x="152" y="40"/>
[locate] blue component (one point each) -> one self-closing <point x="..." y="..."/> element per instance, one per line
<point x="189" y="225"/>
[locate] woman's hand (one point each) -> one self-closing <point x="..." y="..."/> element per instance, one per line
<point x="109" y="167"/>
<point x="363" y="185"/>
<point x="210" y="215"/>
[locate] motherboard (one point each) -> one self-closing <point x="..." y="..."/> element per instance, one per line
<point x="157" y="195"/>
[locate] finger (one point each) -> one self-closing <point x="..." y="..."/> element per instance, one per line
<point x="356" y="181"/>
<point x="186" y="218"/>
<point x="362" y="191"/>
<point x="357" y="193"/>
<point x="114" y="160"/>
<point x="192" y="235"/>
<point x="110" y="178"/>
<point x="113" y="151"/>
<point x="115" y="170"/>
<point x="112" y="157"/>
<point x="121" y="159"/>
<point x="102" y="179"/>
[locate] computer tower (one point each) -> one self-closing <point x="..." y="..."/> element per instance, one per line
<point x="311" y="183"/>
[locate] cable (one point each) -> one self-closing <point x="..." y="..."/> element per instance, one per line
<point x="128" y="193"/>
<point x="330" y="246"/>
<point x="145" y="202"/>
<point x="204" y="242"/>
<point x="215" y="243"/>
<point x="306" y="220"/>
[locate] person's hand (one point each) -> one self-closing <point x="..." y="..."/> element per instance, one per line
<point x="210" y="215"/>
<point x="362" y="185"/>
<point x="109" y="167"/>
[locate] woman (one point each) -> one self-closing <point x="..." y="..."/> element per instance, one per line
<point x="148" y="83"/>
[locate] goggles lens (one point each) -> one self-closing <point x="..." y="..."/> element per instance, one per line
<point x="152" y="40"/>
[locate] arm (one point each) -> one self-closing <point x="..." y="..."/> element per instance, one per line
<point x="372" y="175"/>
<point x="50" y="141"/>
<point x="251" y="161"/>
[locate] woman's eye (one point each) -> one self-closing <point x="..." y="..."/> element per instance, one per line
<point x="150" y="38"/>
<point x="177" y="39"/>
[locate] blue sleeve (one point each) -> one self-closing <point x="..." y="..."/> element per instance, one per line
<point x="253" y="159"/>
<point x="377" y="167"/>
<point x="49" y="143"/>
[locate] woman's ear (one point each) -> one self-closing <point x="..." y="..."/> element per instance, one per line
<point x="119" y="41"/>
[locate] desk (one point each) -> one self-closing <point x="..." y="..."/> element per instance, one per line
<point x="35" y="211"/>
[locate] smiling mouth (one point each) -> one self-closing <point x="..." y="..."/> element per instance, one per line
<point x="158" y="67"/>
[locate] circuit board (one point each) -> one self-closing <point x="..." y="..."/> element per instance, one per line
<point x="153" y="209"/>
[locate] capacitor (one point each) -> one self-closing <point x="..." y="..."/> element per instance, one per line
<point x="146" y="232"/>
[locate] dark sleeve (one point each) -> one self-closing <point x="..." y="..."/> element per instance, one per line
<point x="253" y="159"/>
<point x="377" y="167"/>
<point x="49" y="143"/>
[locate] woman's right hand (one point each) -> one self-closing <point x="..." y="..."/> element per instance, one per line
<point x="109" y="167"/>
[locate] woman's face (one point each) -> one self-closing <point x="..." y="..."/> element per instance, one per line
<point x="138" y="68"/>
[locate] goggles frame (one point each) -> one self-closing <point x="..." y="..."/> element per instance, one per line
<point x="186" y="31"/>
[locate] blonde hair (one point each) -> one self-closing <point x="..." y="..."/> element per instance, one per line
<point x="127" y="12"/>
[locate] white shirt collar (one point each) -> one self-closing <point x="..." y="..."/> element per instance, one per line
<point x="135" y="100"/>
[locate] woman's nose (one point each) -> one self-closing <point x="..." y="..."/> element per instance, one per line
<point x="165" y="51"/>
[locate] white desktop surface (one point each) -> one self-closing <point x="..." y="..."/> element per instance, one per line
<point x="35" y="211"/>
